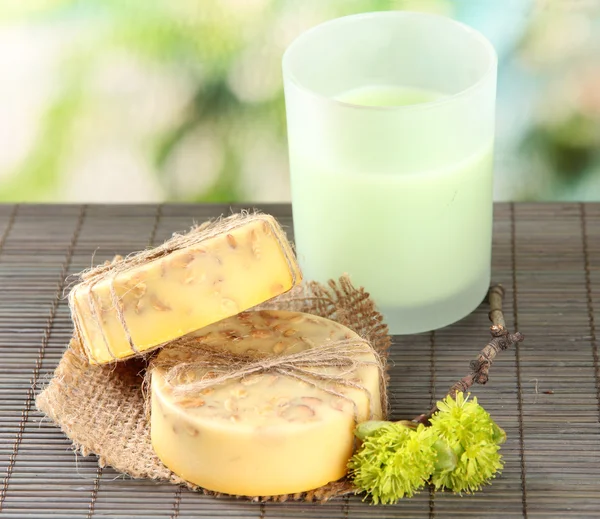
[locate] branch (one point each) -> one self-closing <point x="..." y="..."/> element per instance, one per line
<point x="502" y="339"/>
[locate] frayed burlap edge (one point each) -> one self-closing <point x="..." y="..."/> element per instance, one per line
<point x="101" y="408"/>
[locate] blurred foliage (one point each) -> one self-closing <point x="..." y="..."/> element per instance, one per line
<point x="182" y="100"/>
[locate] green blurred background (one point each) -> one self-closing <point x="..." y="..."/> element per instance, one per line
<point x="181" y="100"/>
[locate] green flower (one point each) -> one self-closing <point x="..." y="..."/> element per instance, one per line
<point x="470" y="432"/>
<point x="394" y="460"/>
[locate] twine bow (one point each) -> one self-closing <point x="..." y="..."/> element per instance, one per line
<point x="323" y="367"/>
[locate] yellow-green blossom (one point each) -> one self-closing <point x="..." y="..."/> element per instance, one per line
<point x="394" y="461"/>
<point x="470" y="432"/>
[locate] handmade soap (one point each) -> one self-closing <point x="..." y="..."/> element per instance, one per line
<point x="190" y="282"/>
<point x="269" y="432"/>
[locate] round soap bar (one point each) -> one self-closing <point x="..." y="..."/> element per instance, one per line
<point x="266" y="433"/>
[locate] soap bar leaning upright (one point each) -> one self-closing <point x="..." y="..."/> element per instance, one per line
<point x="189" y="282"/>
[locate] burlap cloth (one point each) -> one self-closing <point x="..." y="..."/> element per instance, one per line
<point x="101" y="408"/>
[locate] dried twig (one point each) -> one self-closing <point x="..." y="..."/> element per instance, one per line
<point x="502" y="339"/>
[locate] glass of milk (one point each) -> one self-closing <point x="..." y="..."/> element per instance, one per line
<point x="391" y="125"/>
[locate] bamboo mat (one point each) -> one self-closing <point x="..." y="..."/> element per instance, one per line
<point x="545" y="394"/>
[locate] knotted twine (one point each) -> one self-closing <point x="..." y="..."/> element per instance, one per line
<point x="102" y="408"/>
<point x="110" y="270"/>
<point x="323" y="367"/>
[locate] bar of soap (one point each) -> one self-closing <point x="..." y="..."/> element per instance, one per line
<point x="181" y="291"/>
<point x="267" y="433"/>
